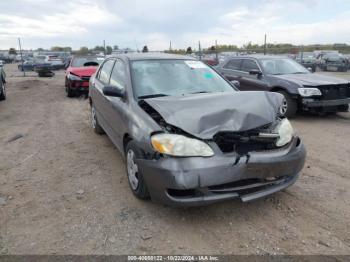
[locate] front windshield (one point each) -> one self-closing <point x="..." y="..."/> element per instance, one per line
<point x="282" y="66"/>
<point x="175" y="77"/>
<point x="86" y="61"/>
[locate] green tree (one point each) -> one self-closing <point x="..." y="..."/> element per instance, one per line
<point x="56" y="48"/>
<point x="83" y="50"/>
<point x="189" y="50"/>
<point x="99" y="48"/>
<point x="12" y="51"/>
<point x="145" y="49"/>
<point x="108" y="50"/>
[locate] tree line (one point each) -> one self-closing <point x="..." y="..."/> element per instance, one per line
<point x="275" y="48"/>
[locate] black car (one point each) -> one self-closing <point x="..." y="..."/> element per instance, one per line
<point x="308" y="60"/>
<point x="2" y="84"/>
<point x="333" y="62"/>
<point x="301" y="88"/>
<point x="189" y="137"/>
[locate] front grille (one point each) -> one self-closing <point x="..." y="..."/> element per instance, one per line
<point x="243" y="142"/>
<point x="332" y="92"/>
<point x="85" y="78"/>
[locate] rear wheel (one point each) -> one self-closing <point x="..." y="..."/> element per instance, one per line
<point x="289" y="105"/>
<point x="135" y="178"/>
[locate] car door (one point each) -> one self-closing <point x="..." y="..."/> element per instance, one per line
<point x="251" y="81"/>
<point x="99" y="100"/>
<point x="231" y="69"/>
<point x="116" y="106"/>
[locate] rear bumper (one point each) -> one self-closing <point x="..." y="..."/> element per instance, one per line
<point x="199" y="181"/>
<point x="309" y="102"/>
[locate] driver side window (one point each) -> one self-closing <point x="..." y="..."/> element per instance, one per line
<point x="118" y="76"/>
<point x="105" y="71"/>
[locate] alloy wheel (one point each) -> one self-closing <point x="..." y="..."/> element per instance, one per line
<point x="284" y="107"/>
<point x="132" y="169"/>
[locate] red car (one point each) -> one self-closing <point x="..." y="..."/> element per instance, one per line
<point x="78" y="74"/>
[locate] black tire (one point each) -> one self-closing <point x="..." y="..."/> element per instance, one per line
<point x="70" y="92"/>
<point x="290" y="103"/>
<point x="140" y="191"/>
<point x="2" y="91"/>
<point x="94" y="122"/>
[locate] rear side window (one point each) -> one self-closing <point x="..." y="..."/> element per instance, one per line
<point x="105" y="71"/>
<point x="248" y="65"/>
<point x="118" y="75"/>
<point x="233" y="64"/>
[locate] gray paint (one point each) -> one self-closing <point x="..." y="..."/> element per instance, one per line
<point x="204" y="115"/>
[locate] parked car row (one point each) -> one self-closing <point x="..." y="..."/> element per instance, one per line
<point x="51" y="61"/>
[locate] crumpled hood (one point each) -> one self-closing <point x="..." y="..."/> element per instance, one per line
<point x="203" y="115"/>
<point x="313" y="79"/>
<point x="82" y="71"/>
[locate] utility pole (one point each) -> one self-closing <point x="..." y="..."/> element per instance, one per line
<point x="200" y="50"/>
<point x="104" y="47"/>
<point x="20" y="51"/>
<point x="265" y="45"/>
<point x="216" y="50"/>
<point x="170" y="48"/>
<point x="301" y="53"/>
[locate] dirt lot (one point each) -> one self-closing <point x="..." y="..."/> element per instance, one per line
<point x="63" y="190"/>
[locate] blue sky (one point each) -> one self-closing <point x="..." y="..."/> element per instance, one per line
<point x="134" y="23"/>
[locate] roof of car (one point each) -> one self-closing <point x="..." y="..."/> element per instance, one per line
<point x="260" y="56"/>
<point x="152" y="56"/>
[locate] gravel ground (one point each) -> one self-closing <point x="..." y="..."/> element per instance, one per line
<point x="63" y="190"/>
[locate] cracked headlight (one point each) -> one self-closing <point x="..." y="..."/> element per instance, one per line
<point x="285" y="131"/>
<point x="178" y="145"/>
<point x="308" y="91"/>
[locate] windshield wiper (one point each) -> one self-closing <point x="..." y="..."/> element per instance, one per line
<point x="151" y="96"/>
<point x="200" y="92"/>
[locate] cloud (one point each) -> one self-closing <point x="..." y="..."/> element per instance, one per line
<point x="76" y="19"/>
<point x="135" y="23"/>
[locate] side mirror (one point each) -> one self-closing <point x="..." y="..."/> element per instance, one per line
<point x="235" y="83"/>
<point x="255" y="72"/>
<point x="113" y="91"/>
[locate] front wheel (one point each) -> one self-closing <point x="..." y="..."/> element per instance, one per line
<point x="289" y="105"/>
<point x="94" y="122"/>
<point x="2" y="91"/>
<point x="70" y="92"/>
<point x="135" y="178"/>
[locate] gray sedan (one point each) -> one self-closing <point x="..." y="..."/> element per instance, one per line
<point x="189" y="136"/>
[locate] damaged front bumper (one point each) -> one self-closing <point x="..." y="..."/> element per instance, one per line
<point x="197" y="181"/>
